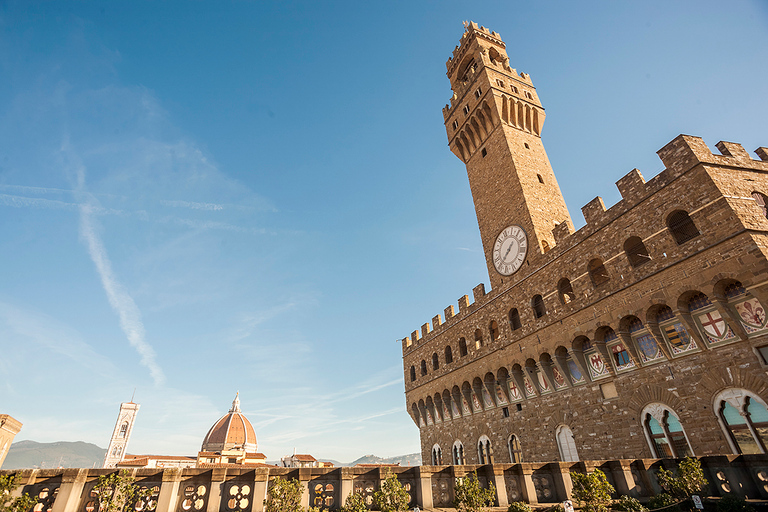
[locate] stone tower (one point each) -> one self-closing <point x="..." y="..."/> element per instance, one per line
<point x="122" y="433"/>
<point x="494" y="126"/>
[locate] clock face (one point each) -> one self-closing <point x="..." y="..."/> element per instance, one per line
<point x="509" y="250"/>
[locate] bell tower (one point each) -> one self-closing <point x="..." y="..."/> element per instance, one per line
<point x="121" y="434"/>
<point x="494" y="126"/>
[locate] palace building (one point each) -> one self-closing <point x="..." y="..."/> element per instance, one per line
<point x="641" y="335"/>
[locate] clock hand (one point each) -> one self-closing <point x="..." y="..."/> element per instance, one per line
<point x="507" y="253"/>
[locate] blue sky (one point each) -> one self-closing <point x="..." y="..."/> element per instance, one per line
<point x="198" y="198"/>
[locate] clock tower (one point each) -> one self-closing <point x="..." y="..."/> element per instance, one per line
<point x="494" y="126"/>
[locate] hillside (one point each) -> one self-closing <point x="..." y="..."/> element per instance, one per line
<point x="31" y="454"/>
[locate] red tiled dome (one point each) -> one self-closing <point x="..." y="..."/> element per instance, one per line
<point x="232" y="432"/>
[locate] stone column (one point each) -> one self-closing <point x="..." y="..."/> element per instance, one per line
<point x="561" y="474"/>
<point x="424" y="487"/>
<point x="218" y="475"/>
<point x="72" y="483"/>
<point x="260" y="481"/>
<point x="169" y="490"/>
<point x="346" y="484"/>
<point x="501" y="485"/>
<point x="304" y="475"/>
<point x="526" y="484"/>
<point x="622" y="475"/>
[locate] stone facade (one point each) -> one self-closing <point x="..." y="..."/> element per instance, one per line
<point x="9" y="427"/>
<point x="244" y="489"/>
<point x="118" y="443"/>
<point x="639" y="335"/>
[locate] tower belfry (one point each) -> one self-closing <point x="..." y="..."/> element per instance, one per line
<point x="494" y="126"/>
<point x="122" y="433"/>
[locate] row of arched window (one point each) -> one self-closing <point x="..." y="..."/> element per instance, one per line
<point x="742" y="415"/>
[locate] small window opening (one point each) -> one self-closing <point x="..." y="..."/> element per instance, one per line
<point x="565" y="291"/>
<point x="455" y="124"/>
<point x="527" y="147"/>
<point x="484" y="152"/>
<point x="423" y="367"/>
<point x="448" y="355"/>
<point x="519" y="407"/>
<point x="597" y="272"/>
<point x="682" y="227"/>
<point x="466" y="109"/>
<point x="494" y="328"/>
<point x="478" y="92"/>
<point x="478" y="338"/>
<point x="541" y="180"/>
<point x="462" y="347"/>
<point x="505" y="412"/>
<point x="413" y="373"/>
<point x="636" y="252"/>
<point x="544" y="246"/>
<point x="499" y="83"/>
<point x="514" y="319"/>
<point x="537" y="303"/>
<point x="761" y="201"/>
<point x="515" y="89"/>
<point x="435" y="361"/>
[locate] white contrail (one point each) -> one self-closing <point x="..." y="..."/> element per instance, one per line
<point x="122" y="303"/>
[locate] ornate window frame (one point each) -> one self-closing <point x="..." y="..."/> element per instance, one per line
<point x="660" y="413"/>
<point x="737" y="398"/>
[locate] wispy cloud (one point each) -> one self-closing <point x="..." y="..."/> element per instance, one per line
<point x="120" y="300"/>
<point x="193" y="206"/>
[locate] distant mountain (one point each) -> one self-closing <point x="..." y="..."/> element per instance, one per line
<point x="412" y="459"/>
<point x="31" y="454"/>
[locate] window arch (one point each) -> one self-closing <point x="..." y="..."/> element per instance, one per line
<point x="682" y="227"/>
<point x="544" y="246"/>
<point x="514" y="319"/>
<point x="435" y="361"/>
<point x="515" y="451"/>
<point x="124" y="429"/>
<point x="437" y="455"/>
<point x="565" y="291"/>
<point x="413" y="373"/>
<point x="448" y="355"/>
<point x="484" y="450"/>
<point x="744" y="418"/>
<point x="761" y="201"/>
<point x="636" y="252"/>
<point x="597" y="272"/>
<point x="423" y="367"/>
<point x="537" y="303"/>
<point x="566" y="444"/>
<point x="462" y="347"/>
<point x="458" y="454"/>
<point x="494" y="328"/>
<point x="665" y="433"/>
<point x="478" y="338"/>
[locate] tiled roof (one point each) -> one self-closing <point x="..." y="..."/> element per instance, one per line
<point x="305" y="457"/>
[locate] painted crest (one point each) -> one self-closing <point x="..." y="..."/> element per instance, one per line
<point x="576" y="375"/>
<point x="678" y="338"/>
<point x="596" y="364"/>
<point x="500" y="395"/>
<point x="476" y="403"/>
<point x="514" y="391"/>
<point x="649" y="349"/>
<point x="455" y="409"/>
<point x="714" y="326"/>
<point x="559" y="380"/>
<point x="529" y="389"/>
<point x="543" y="384"/>
<point x="465" y="406"/>
<point x="487" y="398"/>
<point x="752" y="314"/>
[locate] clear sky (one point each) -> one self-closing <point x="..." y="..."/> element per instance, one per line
<point x="198" y="198"/>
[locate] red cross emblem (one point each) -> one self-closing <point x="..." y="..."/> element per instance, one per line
<point x="713" y="323"/>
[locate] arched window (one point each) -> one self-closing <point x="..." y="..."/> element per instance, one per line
<point x="761" y="201"/>
<point x="566" y="444"/>
<point x="124" y="429"/>
<point x="636" y="252"/>
<point x="514" y="319"/>
<point x="665" y="432"/>
<point x="423" y="367"/>
<point x="413" y="373"/>
<point x="544" y="246"/>
<point x="597" y="272"/>
<point x="437" y="455"/>
<point x="682" y="227"/>
<point x="515" y="452"/>
<point x="565" y="291"/>
<point x="448" y="355"/>
<point x="462" y="347"/>
<point x="458" y="454"/>
<point x="478" y="338"/>
<point x="484" y="450"/>
<point x="435" y="361"/>
<point x="745" y="419"/>
<point x="537" y="303"/>
<point x="494" y="328"/>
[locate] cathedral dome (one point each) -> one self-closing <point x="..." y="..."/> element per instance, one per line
<point x="232" y="432"/>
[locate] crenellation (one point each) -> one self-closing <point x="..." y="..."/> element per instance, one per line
<point x="425" y="330"/>
<point x="632" y="185"/>
<point x="449" y="312"/>
<point x="436" y="322"/>
<point x="594" y="211"/>
<point x="463" y="303"/>
<point x="733" y="150"/>
<point x="415" y="337"/>
<point x="561" y="231"/>
<point x="478" y="292"/>
<point x="762" y="152"/>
